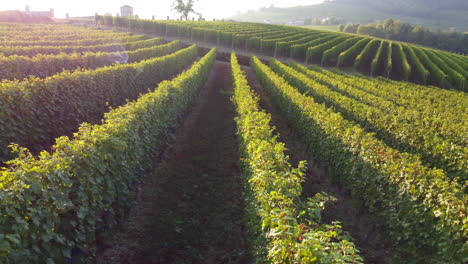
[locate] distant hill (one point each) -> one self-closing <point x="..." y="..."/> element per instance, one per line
<point x="443" y="14"/>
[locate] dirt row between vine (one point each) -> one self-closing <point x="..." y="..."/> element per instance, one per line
<point x="190" y="210"/>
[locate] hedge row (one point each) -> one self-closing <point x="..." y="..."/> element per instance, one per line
<point x="20" y="67"/>
<point x="55" y="203"/>
<point x="282" y="228"/>
<point x="35" y="111"/>
<point x="422" y="212"/>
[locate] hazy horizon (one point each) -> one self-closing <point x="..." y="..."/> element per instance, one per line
<point x="145" y="9"/>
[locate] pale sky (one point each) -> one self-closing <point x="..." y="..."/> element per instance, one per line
<point x="145" y="8"/>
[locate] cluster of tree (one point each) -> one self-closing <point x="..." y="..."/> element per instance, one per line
<point x="396" y="30"/>
<point x="324" y="21"/>
<point x="418" y="8"/>
<point x="348" y="28"/>
<point x="414" y="8"/>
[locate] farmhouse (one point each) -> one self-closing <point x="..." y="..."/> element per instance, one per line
<point x="49" y="13"/>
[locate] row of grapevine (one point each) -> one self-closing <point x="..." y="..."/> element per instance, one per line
<point x="366" y="55"/>
<point x="65" y="34"/>
<point x="347" y="57"/>
<point x="55" y="203"/>
<point x="34" y="50"/>
<point x="330" y="56"/>
<point x="402" y="130"/>
<point x="448" y="67"/>
<point x="39" y="27"/>
<point x="399" y="57"/>
<point x="313" y="54"/>
<point x="389" y="64"/>
<point x="266" y="171"/>
<point x="77" y="42"/>
<point x="378" y="59"/>
<point x="436" y="74"/>
<point x="443" y="108"/>
<point x="421" y="73"/>
<point x="300" y="50"/>
<point x="283" y="47"/>
<point x="444" y="118"/>
<point x="39" y="110"/>
<point x="269" y="44"/>
<point x="405" y="62"/>
<point x="20" y="67"/>
<point x="422" y="211"/>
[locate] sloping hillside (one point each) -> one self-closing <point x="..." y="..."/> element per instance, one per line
<point x="431" y="13"/>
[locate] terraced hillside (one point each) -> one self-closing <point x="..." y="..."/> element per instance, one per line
<point x="371" y="56"/>
<point x="149" y="151"/>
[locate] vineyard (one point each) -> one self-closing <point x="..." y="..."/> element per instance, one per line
<point x="370" y="56"/>
<point x="145" y="141"/>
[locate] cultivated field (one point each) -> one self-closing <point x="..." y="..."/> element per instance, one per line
<point x="371" y="56"/>
<point x="123" y="147"/>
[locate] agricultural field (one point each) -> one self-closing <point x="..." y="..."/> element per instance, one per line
<point x="368" y="55"/>
<point x="145" y="141"/>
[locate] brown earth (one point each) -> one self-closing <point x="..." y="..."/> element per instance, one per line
<point x="190" y="210"/>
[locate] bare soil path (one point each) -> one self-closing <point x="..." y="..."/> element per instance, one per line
<point x="191" y="209"/>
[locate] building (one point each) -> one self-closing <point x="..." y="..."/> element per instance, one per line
<point x="49" y="13"/>
<point x="126" y="11"/>
<point x="27" y="16"/>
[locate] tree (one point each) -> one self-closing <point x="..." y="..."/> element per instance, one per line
<point x="184" y="8"/>
<point x="417" y="34"/>
<point x="388" y="24"/>
<point x="365" y="30"/>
